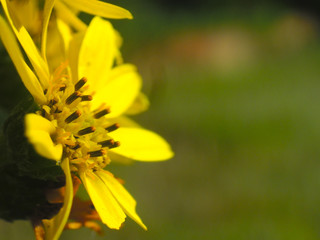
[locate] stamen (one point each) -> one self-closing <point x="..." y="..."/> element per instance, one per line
<point x="80" y="83"/>
<point x="98" y="153"/>
<point x="86" y="130"/>
<point x="77" y="160"/>
<point x="106" y="143"/>
<point x="57" y="111"/>
<point x="52" y="102"/>
<point x="112" y="127"/>
<point x="73" y="116"/>
<point x="72" y="97"/>
<point x="76" y="147"/>
<point x="86" y="98"/>
<point x="43" y="112"/>
<point x="116" y="144"/>
<point x="63" y="88"/>
<point x="102" y="113"/>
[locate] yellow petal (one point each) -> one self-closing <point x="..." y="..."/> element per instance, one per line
<point x="99" y="8"/>
<point x="97" y="52"/>
<point x="65" y="14"/>
<point x="116" y="158"/>
<point x="141" y="144"/>
<point x="108" y="208"/>
<point x="55" y="50"/>
<point x="73" y="54"/>
<point x="29" y="47"/>
<point x="125" y="121"/>
<point x="29" y="14"/>
<point x="119" y="91"/>
<point x="55" y="226"/>
<point x="65" y="33"/>
<point x="38" y="131"/>
<point x="27" y="76"/>
<point x="140" y="104"/>
<point x="48" y="6"/>
<point x="123" y="197"/>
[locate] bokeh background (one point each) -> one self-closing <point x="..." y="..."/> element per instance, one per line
<point x="234" y="87"/>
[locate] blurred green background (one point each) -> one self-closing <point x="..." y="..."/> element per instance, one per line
<point x="235" y="89"/>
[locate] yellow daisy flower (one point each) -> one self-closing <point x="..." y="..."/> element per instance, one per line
<point x="35" y="19"/>
<point x="81" y="120"/>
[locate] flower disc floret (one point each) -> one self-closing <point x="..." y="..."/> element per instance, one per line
<point x="82" y="133"/>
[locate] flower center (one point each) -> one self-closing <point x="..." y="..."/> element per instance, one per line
<point x="82" y="132"/>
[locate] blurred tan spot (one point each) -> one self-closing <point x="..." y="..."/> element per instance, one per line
<point x="292" y="32"/>
<point x="225" y="49"/>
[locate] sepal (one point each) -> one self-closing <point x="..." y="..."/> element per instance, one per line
<point x="24" y="175"/>
<point x="20" y="153"/>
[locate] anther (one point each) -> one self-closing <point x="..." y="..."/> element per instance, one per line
<point x="62" y="88"/>
<point x="45" y="91"/>
<point x="114" y="145"/>
<point x="80" y="83"/>
<point x="98" y="153"/>
<point x="72" y="97"/>
<point x="43" y="112"/>
<point x="102" y="113"/>
<point x="76" y="147"/>
<point x="113" y="127"/>
<point x="52" y="102"/>
<point x="106" y="143"/>
<point x="73" y="147"/>
<point x="86" y="98"/>
<point x="86" y="130"/>
<point x="73" y="116"/>
<point x="57" y="110"/>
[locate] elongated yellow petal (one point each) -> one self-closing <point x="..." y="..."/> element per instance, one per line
<point x="123" y="197"/>
<point x="99" y="8"/>
<point x="116" y="158"/>
<point x="108" y="208"/>
<point x="73" y="53"/>
<point x="27" y="76"/>
<point x="55" y="50"/>
<point x="64" y="13"/>
<point x="29" y="14"/>
<point x="97" y="52"/>
<point x="140" y="104"/>
<point x="125" y="121"/>
<point x="141" y="144"/>
<point x="29" y="47"/>
<point x="65" y="32"/>
<point x="48" y="6"/>
<point x="38" y="131"/>
<point x="120" y="91"/>
<point x="55" y="226"/>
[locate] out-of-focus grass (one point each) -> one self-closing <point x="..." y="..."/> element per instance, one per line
<point x="244" y="128"/>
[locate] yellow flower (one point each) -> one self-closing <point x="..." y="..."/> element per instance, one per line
<point x="35" y="19"/>
<point x="78" y="122"/>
